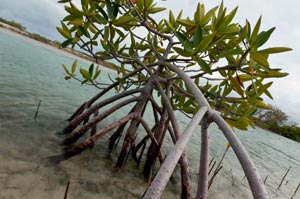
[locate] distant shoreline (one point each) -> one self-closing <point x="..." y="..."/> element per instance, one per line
<point x="53" y="44"/>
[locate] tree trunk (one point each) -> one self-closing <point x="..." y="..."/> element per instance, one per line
<point x="202" y="191"/>
<point x="131" y="131"/>
<point x="154" y="149"/>
<point x="162" y="177"/>
<point x="80" y="118"/>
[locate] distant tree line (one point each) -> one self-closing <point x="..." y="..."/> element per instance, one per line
<point x="45" y="40"/>
<point x="277" y="121"/>
<point x="14" y="24"/>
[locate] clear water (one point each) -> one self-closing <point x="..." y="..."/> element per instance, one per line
<point x="30" y="71"/>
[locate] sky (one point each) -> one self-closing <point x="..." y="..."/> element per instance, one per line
<point x="42" y="17"/>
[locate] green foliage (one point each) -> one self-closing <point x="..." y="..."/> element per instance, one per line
<point x="14" y="24"/>
<point x="40" y="38"/>
<point x="291" y="132"/>
<point x="198" y="45"/>
<point x="272" y="116"/>
<point x="276" y="120"/>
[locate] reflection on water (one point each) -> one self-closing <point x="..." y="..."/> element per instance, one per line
<point x="29" y="73"/>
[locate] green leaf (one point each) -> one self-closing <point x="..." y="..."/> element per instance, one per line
<point x="64" y="1"/>
<point x="91" y="69"/>
<point x="220" y="19"/>
<point x="66" y="43"/>
<point x="259" y="58"/>
<point x="204" y="43"/>
<point x="262" y="38"/>
<point x="84" y="6"/>
<point x="123" y="20"/>
<point x="102" y="12"/>
<point x="76" y="22"/>
<point x="263" y="88"/>
<point x="110" y="9"/>
<point x="213" y="89"/>
<point x="208" y="16"/>
<point x="154" y="10"/>
<point x="197" y="36"/>
<point x="172" y="19"/>
<point x="181" y="37"/>
<point x="274" y="50"/>
<point x="115" y="11"/>
<point x="244" y="31"/>
<point x="245" y="77"/>
<point x="227" y="90"/>
<point x="185" y="22"/>
<point x="182" y="52"/>
<point x="185" y="42"/>
<point x="97" y="73"/>
<point x="248" y="32"/>
<point x="100" y="19"/>
<point x="85" y="74"/>
<point x="228" y="19"/>
<point x="262" y="105"/>
<point x="66" y="69"/>
<point x="271" y="74"/>
<point x="230" y="52"/>
<point x="67" y="77"/>
<point x="169" y="25"/>
<point x="64" y="33"/>
<point x="199" y="14"/>
<point x="106" y="33"/>
<point x="236" y="86"/>
<point x="256" y="29"/>
<point x="232" y="29"/>
<point x="268" y="94"/>
<point x="148" y="3"/>
<point x="73" y="10"/>
<point x="84" y="31"/>
<point x="223" y="73"/>
<point x="204" y="66"/>
<point x="83" y="82"/>
<point x="242" y="123"/>
<point x="71" y="17"/>
<point x="140" y="4"/>
<point x="189" y="110"/>
<point x="74" y="65"/>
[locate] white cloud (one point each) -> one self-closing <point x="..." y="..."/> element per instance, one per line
<point x="38" y="16"/>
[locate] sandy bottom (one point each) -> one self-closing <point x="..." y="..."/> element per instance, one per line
<point x="27" y="172"/>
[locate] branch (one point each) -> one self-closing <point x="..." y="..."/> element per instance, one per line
<point x="256" y="184"/>
<point x="228" y="67"/>
<point x="189" y="82"/>
<point x="89" y="142"/>
<point x="161" y="179"/>
<point x="80" y="131"/>
<point x="202" y="191"/>
<point x="74" y="123"/>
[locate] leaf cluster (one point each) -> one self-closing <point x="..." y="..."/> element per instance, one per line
<point x="225" y="59"/>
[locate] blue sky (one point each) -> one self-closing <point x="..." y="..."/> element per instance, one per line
<point x="42" y="16"/>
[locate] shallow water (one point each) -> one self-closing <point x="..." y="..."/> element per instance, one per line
<point x="30" y="72"/>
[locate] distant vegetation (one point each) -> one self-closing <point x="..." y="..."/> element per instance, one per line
<point x="14" y="24"/>
<point x="19" y="26"/>
<point x="45" y="40"/>
<point x="40" y="38"/>
<point x="277" y="121"/>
